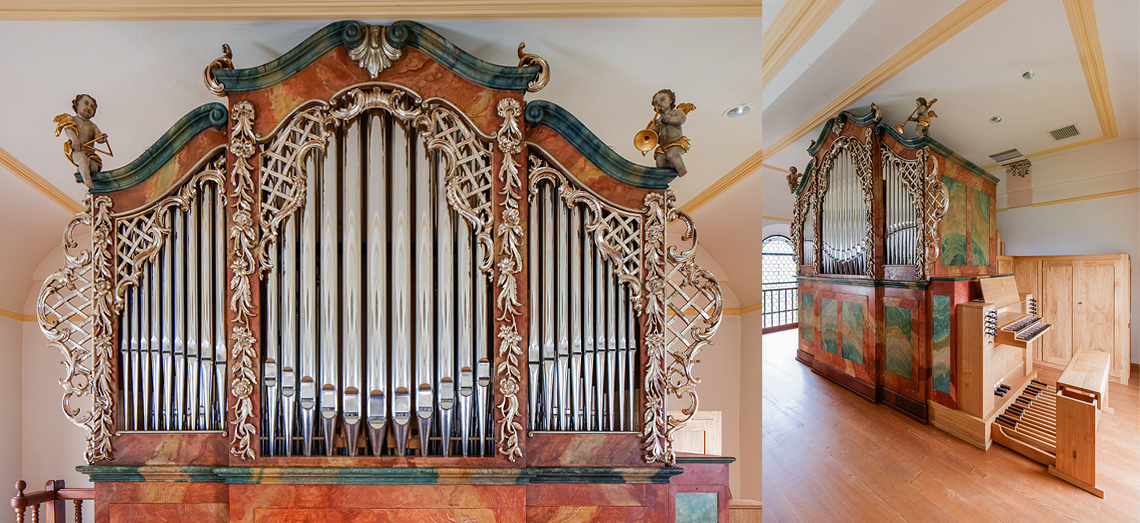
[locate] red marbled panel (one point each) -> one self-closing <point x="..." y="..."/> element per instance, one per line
<point x="248" y="501"/>
<point x="914" y="300"/>
<point x="599" y="495"/>
<point x="184" y="163"/>
<point x="585" y="170"/>
<point x="971" y="181"/>
<point x="583" y="450"/>
<point x="595" y="514"/>
<point x="160" y="494"/>
<point x="188" y="449"/>
<point x="169" y="513"/>
<point x="704" y="477"/>
<point x="379" y="515"/>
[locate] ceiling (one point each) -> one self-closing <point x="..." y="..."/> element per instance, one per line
<point x="147" y="74"/>
<point x="970" y="56"/>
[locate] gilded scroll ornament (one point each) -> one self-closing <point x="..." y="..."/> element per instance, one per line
<point x="543" y="77"/>
<point x="695" y="305"/>
<point x="226" y="61"/>
<point x="656" y="446"/>
<point x="509" y="234"/>
<point x="374" y="54"/>
<point x="243" y="240"/>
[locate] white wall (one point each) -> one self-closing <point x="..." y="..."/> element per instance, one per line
<point x="719" y="372"/>
<point x="751" y="412"/>
<point x="11" y="442"/>
<point x="1108" y="225"/>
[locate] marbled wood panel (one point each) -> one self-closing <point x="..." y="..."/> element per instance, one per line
<point x="807" y="317"/>
<point x="335" y="72"/>
<point x="382" y="461"/>
<point x="552" y="449"/>
<point x="247" y="502"/>
<point x="829" y="325"/>
<point x="159" y="493"/>
<point x="979" y="228"/>
<point x="851" y="329"/>
<point x="595" y="514"/>
<point x="941" y="360"/>
<point x="186" y="161"/>
<point x="905" y="333"/>
<point x="954" y="224"/>
<point x="596" y="495"/>
<point x="378" y="515"/>
<point x="897" y="341"/>
<point x="172" y="513"/>
<point x="564" y="153"/>
<point x="697" y="507"/>
<point x="967" y="182"/>
<point x="157" y="448"/>
<point x="705" y="478"/>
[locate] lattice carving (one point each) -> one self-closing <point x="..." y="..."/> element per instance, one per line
<point x="695" y="306"/>
<point x="863" y="168"/>
<point x="616" y="232"/>
<point x="282" y="180"/>
<point x="913" y="175"/>
<point x="141" y="233"/>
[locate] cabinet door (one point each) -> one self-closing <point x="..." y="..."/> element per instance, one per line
<point x="1057" y="309"/>
<point x="1027" y="272"/>
<point x="1094" y="311"/>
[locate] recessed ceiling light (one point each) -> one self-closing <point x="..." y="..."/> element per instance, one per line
<point x="737" y="111"/>
<point x="1029" y="75"/>
<point x="995" y="119"/>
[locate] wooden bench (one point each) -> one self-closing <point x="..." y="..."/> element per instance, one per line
<point x="1082" y="390"/>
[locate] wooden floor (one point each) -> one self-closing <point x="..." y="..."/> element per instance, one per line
<point x="832" y="456"/>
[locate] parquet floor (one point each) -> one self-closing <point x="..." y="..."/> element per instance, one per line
<point x="832" y="456"/>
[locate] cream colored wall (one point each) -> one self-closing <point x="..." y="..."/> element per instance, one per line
<point x="719" y="372"/>
<point x="751" y="411"/>
<point x="11" y="441"/>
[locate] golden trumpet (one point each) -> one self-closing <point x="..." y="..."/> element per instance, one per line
<point x="646" y="139"/>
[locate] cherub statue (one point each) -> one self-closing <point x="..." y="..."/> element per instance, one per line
<point x="82" y="135"/>
<point x="793" y="178"/>
<point x="671" y="143"/>
<point x="921" y="115"/>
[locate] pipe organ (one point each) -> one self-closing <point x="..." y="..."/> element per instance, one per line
<point x="901" y="298"/>
<point x="379" y="280"/>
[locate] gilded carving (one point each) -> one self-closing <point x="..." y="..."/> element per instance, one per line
<point x="374" y="54"/>
<point x="226" y="61"/>
<point x="509" y="234"/>
<point x="243" y="240"/>
<point x="543" y="77"/>
<point x="656" y="445"/>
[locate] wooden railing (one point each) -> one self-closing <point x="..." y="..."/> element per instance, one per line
<point x="53" y="498"/>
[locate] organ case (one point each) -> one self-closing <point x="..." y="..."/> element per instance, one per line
<point x="377" y="282"/>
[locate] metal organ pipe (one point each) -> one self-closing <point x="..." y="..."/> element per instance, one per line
<point x="377" y="284"/>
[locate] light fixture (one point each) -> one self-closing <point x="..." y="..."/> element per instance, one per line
<point x="995" y="119"/>
<point x="737" y="111"/>
<point x="1029" y="75"/>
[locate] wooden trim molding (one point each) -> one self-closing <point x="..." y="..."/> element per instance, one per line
<point x="948" y="27"/>
<point x="147" y="10"/>
<point x="1080" y="198"/>
<point x="16" y="316"/>
<point x="793" y="25"/>
<point x="39" y="183"/>
<point x="777" y="218"/>
<point x="1082" y="22"/>
<point x="774" y="168"/>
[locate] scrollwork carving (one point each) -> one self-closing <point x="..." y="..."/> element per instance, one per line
<point x="243" y="241"/>
<point x="656" y="446"/>
<point x="509" y="234"/>
<point x="374" y="54"/>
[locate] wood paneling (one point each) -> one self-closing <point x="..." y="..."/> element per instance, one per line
<point x="701" y="436"/>
<point x="1093" y="310"/>
<point x="1057" y="309"/>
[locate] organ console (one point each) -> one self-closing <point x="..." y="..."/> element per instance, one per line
<point x="902" y="303"/>
<point x="379" y="281"/>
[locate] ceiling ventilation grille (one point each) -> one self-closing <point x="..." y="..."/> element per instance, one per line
<point x="1006" y="156"/>
<point x="1067" y="131"/>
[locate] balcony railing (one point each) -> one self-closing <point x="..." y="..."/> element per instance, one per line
<point x="781" y="305"/>
<point x="53" y="498"/>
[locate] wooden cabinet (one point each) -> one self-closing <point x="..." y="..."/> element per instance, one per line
<point x="1087" y="299"/>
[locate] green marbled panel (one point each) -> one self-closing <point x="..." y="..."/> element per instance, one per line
<point x="941" y="377"/>
<point x="696" y="507"/>
<point x="897" y="341"/>
<point x="829" y="324"/>
<point x="807" y="317"/>
<point x="979" y="228"/>
<point x="954" y="224"/>
<point x="852" y="329"/>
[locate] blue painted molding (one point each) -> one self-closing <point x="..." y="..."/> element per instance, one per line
<point x="209" y="116"/>
<point x="559" y="120"/>
<point x="842" y="117"/>
<point x="681" y="459"/>
<point x="139" y="474"/>
<point x="351" y="33"/>
<point x="807" y="175"/>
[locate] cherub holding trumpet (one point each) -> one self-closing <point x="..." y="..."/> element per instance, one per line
<point x="665" y="132"/>
<point x="921" y="117"/>
<point x="82" y="135"/>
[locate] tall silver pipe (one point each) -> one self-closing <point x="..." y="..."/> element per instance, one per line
<point x="548" y="306"/>
<point x="482" y="354"/>
<point x="534" y="345"/>
<point x="562" y="376"/>
<point x="589" y="262"/>
<point x="575" y="415"/>
<point x="168" y="340"/>
<point x="206" y="305"/>
<point x="351" y="287"/>
<point x="401" y="290"/>
<point x="308" y="307"/>
<point x="289" y="334"/>
<point x="611" y="345"/>
<point x="151" y="367"/>
<point x="600" y="328"/>
<point x="424" y="293"/>
<point x="466" y="352"/>
<point x="178" y="313"/>
<point x="619" y="374"/>
<point x="445" y="268"/>
<point x="220" y="352"/>
<point x="377" y="285"/>
<point x="329" y="299"/>
<point x="632" y="360"/>
<point x="127" y="336"/>
<point x="271" y="338"/>
<point x="194" y="310"/>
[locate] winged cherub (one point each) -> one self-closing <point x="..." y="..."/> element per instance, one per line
<point x="667" y="124"/>
<point x="82" y="135"/>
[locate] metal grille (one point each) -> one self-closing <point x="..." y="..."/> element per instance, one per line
<point x="780" y="293"/>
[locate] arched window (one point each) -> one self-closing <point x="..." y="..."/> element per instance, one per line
<point x="781" y="296"/>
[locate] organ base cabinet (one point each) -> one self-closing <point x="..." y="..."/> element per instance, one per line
<point x="381" y="283"/>
<point x="1088" y="300"/>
